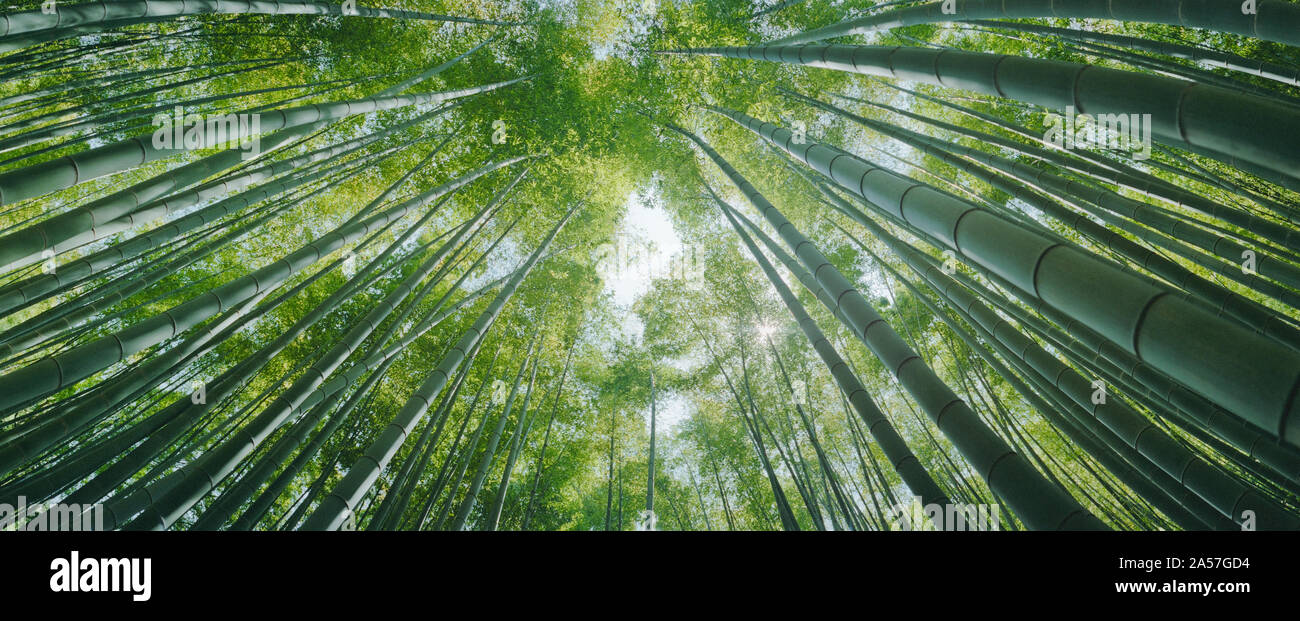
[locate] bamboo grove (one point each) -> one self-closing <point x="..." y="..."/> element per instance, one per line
<point x="301" y="265"/>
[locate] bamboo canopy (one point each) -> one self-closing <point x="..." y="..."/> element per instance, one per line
<point x="867" y="266"/>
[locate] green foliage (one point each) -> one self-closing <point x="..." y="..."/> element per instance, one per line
<point x="591" y="115"/>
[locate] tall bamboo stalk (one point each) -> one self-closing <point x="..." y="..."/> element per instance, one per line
<point x="1273" y="20"/>
<point x="1241" y="371"/>
<point x="340" y="503"/>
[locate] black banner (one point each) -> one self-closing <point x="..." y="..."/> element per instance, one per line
<point x="319" y="570"/>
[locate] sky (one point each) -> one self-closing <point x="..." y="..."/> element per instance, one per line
<point x="643" y="250"/>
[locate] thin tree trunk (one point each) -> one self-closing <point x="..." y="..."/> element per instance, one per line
<point x="342" y="501"/>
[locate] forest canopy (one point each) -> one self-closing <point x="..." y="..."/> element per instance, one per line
<point x="632" y="265"/>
